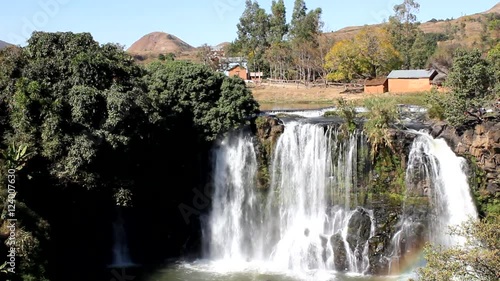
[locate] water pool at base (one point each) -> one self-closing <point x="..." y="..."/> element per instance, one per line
<point x="224" y="271"/>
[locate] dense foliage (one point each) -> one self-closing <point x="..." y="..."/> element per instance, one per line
<point x="369" y="54"/>
<point x="80" y="123"/>
<point x="302" y="50"/>
<point x="471" y="80"/>
<point x="478" y="259"/>
<point x="277" y="48"/>
<point x="381" y="115"/>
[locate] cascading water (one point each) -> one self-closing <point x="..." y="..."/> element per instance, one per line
<point x="121" y="255"/>
<point x="434" y="172"/>
<point x="304" y="221"/>
<point x="234" y="214"/>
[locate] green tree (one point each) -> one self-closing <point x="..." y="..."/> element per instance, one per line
<point x="71" y="99"/>
<point x="494" y="59"/>
<point x="85" y="121"/>
<point x="278" y="53"/>
<point x="470" y="81"/>
<point x="478" y="259"/>
<point x="298" y="16"/>
<point x="403" y="27"/>
<point x="253" y="30"/>
<point x="423" y="48"/>
<point x="194" y="96"/>
<point x="305" y="29"/>
<point x="278" y="28"/>
<point x="369" y="54"/>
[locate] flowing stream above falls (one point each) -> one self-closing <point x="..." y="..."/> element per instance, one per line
<point x="314" y="216"/>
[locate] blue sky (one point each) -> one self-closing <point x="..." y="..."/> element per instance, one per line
<point x="194" y="21"/>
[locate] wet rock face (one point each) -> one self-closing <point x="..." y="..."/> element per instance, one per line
<point x="267" y="129"/>
<point x="387" y="215"/>
<point x="482" y="142"/>
<point x="340" y="254"/>
<point x="358" y="231"/>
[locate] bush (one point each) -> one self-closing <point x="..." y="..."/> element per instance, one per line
<point x="347" y="111"/>
<point x="436" y="104"/>
<point x="381" y="114"/>
<point x="478" y="259"/>
<point x="471" y="81"/>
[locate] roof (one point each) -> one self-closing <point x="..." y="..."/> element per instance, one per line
<point x="235" y="66"/>
<point x="413" y="73"/>
<point x="376" y="81"/>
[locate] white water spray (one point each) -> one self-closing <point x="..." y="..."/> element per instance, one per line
<point x="435" y="174"/>
<point x="444" y="175"/>
<point x="234" y="215"/>
<point x="305" y="216"/>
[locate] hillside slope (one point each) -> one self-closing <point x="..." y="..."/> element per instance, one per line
<point x="159" y="43"/>
<point x="3" y="44"/>
<point x="469" y="28"/>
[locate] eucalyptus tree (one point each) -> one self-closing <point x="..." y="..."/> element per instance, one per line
<point x="253" y="30"/>
<point x="403" y="26"/>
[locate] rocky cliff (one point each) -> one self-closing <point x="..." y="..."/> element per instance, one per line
<point x="479" y="142"/>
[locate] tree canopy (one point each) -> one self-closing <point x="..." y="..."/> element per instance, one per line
<point x="369" y="54"/>
<point x="80" y="122"/>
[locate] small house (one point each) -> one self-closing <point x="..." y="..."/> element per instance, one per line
<point x="376" y="85"/>
<point x="238" y="70"/>
<point x="409" y="81"/>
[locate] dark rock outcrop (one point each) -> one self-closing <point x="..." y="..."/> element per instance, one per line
<point x="480" y="144"/>
<point x="267" y="129"/>
<point x="358" y="231"/>
<point x="339" y="253"/>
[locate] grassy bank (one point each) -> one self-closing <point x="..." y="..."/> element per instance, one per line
<point x="293" y="96"/>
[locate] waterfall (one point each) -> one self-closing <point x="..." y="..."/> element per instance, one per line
<point x="300" y="170"/>
<point x="121" y="255"/>
<point x="449" y="189"/>
<point x="434" y="172"/>
<point x="305" y="220"/>
<point x="234" y="213"/>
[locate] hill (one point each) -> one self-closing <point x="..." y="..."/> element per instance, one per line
<point x="159" y="43"/>
<point x="4" y="44"/>
<point x="469" y="28"/>
<point x="495" y="9"/>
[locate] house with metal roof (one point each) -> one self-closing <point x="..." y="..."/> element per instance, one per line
<point x="409" y="81"/>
